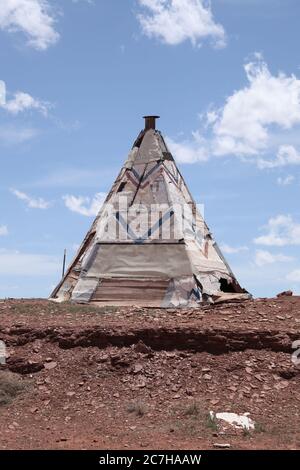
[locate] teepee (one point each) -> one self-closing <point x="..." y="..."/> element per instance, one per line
<point x="149" y="245"/>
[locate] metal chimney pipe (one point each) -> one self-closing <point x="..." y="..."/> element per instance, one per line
<point x="150" y="122"/>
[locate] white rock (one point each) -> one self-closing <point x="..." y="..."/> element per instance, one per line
<point x="235" y="420"/>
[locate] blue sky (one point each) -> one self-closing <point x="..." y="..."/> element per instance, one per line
<point x="77" y="76"/>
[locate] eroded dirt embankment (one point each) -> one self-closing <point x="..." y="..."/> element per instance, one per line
<point x="201" y="339"/>
<point x="271" y="324"/>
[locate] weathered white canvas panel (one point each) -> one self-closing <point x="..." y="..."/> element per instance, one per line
<point x="210" y="282"/>
<point x="202" y="265"/>
<point x="84" y="289"/>
<point x="131" y="157"/>
<point x="150" y="148"/>
<point x="140" y="261"/>
<point x="65" y="291"/>
<point x="182" y="292"/>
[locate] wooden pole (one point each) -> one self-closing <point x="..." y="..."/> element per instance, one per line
<point x="64" y="263"/>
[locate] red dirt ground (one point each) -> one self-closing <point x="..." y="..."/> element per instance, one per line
<point x="131" y="378"/>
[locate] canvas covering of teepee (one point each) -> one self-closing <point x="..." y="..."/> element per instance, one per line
<point x="149" y="246"/>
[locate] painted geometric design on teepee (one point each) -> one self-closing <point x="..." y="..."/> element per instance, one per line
<point x="149" y="245"/>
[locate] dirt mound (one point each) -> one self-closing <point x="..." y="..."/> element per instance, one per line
<point x="148" y="378"/>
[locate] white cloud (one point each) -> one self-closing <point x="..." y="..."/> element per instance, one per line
<point x="33" y="203"/>
<point x="85" y="205"/>
<point x="14" y="263"/>
<point x="232" y="250"/>
<point x="3" y="230"/>
<point x="285" y="180"/>
<point x="176" y="21"/>
<point x="189" y="152"/>
<point x="281" y="230"/>
<point x="245" y="125"/>
<point x="34" y="18"/>
<point x="10" y="135"/>
<point x="286" y="155"/>
<point x="2" y="93"/>
<point x="294" y="276"/>
<point x="92" y="2"/>
<point x="263" y="257"/>
<point x="21" y="102"/>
